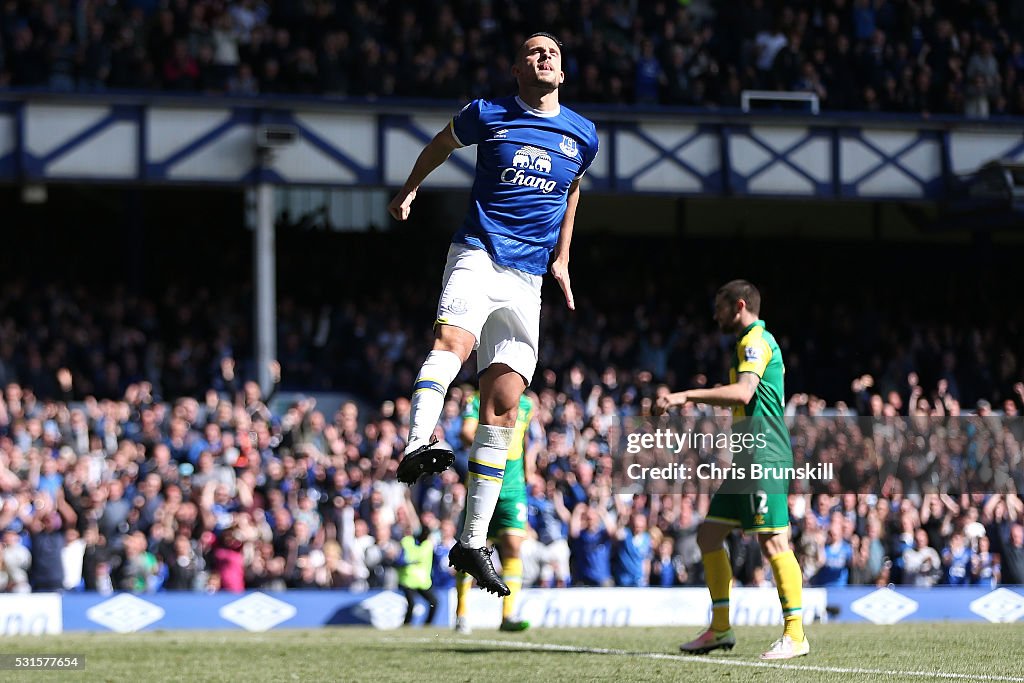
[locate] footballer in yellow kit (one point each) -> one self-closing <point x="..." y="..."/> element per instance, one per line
<point x="755" y="395"/>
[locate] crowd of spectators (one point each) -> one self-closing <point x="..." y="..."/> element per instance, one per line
<point x="344" y="330"/>
<point x="912" y="56"/>
<point x="135" y="455"/>
<point x="226" y="494"/>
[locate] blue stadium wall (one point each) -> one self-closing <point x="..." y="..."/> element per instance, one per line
<point x="593" y="607"/>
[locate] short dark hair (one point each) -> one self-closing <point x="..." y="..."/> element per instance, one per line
<point x="735" y="290"/>
<point x="539" y="34"/>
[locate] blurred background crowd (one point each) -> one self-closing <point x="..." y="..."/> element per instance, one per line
<point x="911" y="56"/>
<point x="136" y="454"/>
<point x="225" y="493"/>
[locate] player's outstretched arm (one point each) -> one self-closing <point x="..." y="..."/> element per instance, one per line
<point x="667" y="401"/>
<point x="432" y="156"/>
<point x="738" y="393"/>
<point x="560" y="264"/>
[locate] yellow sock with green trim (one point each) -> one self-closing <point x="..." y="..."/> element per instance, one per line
<point x="463" y="584"/>
<point x="512" y="573"/>
<point x="718" y="575"/>
<point x="789" y="580"/>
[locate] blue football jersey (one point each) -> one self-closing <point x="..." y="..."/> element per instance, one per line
<point x="525" y="162"/>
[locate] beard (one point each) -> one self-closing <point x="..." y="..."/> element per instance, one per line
<point x="538" y="81"/>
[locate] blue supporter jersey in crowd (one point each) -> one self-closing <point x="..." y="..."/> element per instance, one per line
<point x="525" y="162"/>
<point x="958" y="573"/>
<point x="835" y="571"/>
<point x="591" y="553"/>
<point x="988" y="568"/>
<point x="630" y="554"/>
<point x="663" y="572"/>
<point x="47" y="571"/>
<point x="50" y="484"/>
<point x="544" y="519"/>
<point x="440" y="576"/>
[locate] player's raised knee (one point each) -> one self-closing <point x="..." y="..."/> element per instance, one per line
<point x="454" y="339"/>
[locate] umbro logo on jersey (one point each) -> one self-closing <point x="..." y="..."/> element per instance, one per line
<point x="500" y="135"/>
<point x="529" y="159"/>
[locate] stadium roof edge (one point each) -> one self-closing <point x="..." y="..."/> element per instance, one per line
<point x="400" y="105"/>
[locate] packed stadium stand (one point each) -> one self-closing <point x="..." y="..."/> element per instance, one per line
<point x="137" y="455"/>
<point x="912" y="56"/>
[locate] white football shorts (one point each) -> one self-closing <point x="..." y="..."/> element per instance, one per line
<point x="499" y="306"/>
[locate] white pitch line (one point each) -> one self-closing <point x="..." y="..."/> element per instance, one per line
<point x="715" y="661"/>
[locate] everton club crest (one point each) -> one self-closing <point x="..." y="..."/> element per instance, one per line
<point x="568" y="147"/>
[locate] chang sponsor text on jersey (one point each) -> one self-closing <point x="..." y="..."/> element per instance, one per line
<point x="528" y="159"/>
<point x="526" y="162"/>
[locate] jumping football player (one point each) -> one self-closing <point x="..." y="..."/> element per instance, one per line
<point x="531" y="154"/>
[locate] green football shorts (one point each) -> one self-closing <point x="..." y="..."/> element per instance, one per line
<point x="509" y="514"/>
<point x="759" y="512"/>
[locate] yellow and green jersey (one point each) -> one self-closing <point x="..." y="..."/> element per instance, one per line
<point x="515" y="472"/>
<point x="759" y="353"/>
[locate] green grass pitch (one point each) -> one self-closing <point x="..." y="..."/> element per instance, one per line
<point x="849" y="653"/>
